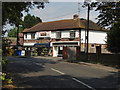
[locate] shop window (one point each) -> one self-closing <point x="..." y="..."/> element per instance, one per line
<point x="32" y="35"/>
<point x="58" y="35"/>
<point x="72" y="34"/>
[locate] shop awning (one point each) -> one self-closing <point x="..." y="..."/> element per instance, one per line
<point x="42" y="45"/>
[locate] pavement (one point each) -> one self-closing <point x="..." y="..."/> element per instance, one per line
<point x="50" y="72"/>
<point x="100" y="66"/>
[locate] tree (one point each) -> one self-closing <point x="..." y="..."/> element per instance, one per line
<point x="12" y="11"/>
<point x="109" y="12"/>
<point x="12" y="32"/>
<point x="30" y="21"/>
<point x="12" y="14"/>
<point x="113" y="38"/>
<point x="109" y="16"/>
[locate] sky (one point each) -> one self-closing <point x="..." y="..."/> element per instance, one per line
<point x="60" y="10"/>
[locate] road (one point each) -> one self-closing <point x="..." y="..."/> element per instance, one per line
<point x="49" y="72"/>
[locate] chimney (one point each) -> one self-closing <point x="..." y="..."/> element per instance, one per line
<point x="75" y="16"/>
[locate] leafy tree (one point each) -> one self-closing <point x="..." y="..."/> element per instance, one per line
<point x="12" y="11"/>
<point x="109" y="16"/>
<point x="109" y="12"/>
<point x="113" y="38"/>
<point x="12" y="14"/>
<point x="30" y="21"/>
<point x="12" y="32"/>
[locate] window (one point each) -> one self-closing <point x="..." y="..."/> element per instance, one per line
<point x="72" y="34"/>
<point x="92" y="46"/>
<point x="32" y="35"/>
<point x="58" y="35"/>
<point x="25" y="36"/>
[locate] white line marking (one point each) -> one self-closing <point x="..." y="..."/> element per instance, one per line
<point x="43" y="66"/>
<point x="83" y="83"/>
<point x="40" y="64"/>
<point x="57" y="71"/>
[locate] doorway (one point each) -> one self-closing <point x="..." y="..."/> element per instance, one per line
<point x="60" y="50"/>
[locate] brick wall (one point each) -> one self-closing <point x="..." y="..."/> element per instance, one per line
<point x="37" y="41"/>
<point x="65" y="39"/>
<point x="107" y="59"/>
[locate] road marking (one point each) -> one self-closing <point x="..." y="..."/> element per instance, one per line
<point x="40" y="64"/>
<point x="57" y="71"/>
<point x="83" y="83"/>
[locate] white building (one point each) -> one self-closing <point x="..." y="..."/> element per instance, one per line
<point x="64" y="35"/>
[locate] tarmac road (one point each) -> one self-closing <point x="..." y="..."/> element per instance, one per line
<point x="49" y="72"/>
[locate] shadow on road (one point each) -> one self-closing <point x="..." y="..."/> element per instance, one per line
<point x="110" y="81"/>
<point x="48" y="81"/>
<point x="27" y="65"/>
<point x="64" y="81"/>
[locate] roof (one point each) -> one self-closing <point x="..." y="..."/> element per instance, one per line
<point x="20" y="34"/>
<point x="14" y="40"/>
<point x="64" y="24"/>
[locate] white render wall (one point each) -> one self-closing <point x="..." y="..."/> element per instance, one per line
<point x="55" y="51"/>
<point x="77" y="33"/>
<point x="28" y="36"/>
<point x="98" y="37"/>
<point x="53" y="34"/>
<point x="65" y="34"/>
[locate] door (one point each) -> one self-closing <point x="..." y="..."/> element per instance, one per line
<point x="60" y="50"/>
<point x="65" y="53"/>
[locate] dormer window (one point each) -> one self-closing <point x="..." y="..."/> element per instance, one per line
<point x="58" y="35"/>
<point x="72" y="34"/>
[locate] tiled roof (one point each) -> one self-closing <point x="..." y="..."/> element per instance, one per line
<point x="14" y="40"/>
<point x="20" y="34"/>
<point x="21" y="41"/>
<point x="64" y="24"/>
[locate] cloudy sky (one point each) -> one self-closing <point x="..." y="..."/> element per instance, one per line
<point x="61" y="10"/>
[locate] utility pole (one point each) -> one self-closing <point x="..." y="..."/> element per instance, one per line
<point x="78" y="9"/>
<point x="17" y="36"/>
<point x="87" y="37"/>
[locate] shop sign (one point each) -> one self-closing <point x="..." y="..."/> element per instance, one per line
<point x="43" y="34"/>
<point x="42" y="45"/>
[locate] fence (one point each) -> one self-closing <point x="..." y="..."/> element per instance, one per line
<point x="106" y="59"/>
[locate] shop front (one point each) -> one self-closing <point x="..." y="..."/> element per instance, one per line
<point x="43" y="49"/>
<point x="65" y="49"/>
